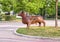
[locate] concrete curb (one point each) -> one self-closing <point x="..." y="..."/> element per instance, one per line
<point x="36" y="37"/>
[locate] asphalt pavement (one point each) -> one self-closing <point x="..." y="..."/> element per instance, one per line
<point x="7" y="32"/>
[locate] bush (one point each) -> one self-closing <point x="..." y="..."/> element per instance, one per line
<point x="13" y="17"/>
<point x="9" y="18"/>
<point x="2" y="16"/>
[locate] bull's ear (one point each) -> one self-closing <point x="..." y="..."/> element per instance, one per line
<point x="22" y="12"/>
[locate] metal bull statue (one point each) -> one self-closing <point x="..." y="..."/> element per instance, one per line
<point x="31" y="19"/>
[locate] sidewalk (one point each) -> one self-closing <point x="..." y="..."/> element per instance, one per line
<point x="20" y="24"/>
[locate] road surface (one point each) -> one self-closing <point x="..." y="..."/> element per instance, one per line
<point x="7" y="32"/>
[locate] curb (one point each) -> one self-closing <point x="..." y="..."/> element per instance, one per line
<point x="35" y="37"/>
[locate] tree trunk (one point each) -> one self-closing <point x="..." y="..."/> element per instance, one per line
<point x="56" y="24"/>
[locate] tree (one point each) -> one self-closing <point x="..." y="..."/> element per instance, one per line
<point x="56" y="14"/>
<point x="50" y="6"/>
<point x="31" y="6"/>
<point x="8" y="5"/>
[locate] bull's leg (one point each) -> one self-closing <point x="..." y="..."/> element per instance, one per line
<point x="28" y="25"/>
<point x="43" y="23"/>
<point x="39" y="24"/>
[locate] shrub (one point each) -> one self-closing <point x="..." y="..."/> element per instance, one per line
<point x="13" y="17"/>
<point x="9" y="18"/>
<point x="2" y="16"/>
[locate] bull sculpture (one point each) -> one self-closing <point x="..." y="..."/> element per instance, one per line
<point x="31" y="19"/>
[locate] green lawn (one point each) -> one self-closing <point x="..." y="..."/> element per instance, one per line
<point x="40" y="31"/>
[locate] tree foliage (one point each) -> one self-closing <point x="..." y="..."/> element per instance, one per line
<point x="31" y="6"/>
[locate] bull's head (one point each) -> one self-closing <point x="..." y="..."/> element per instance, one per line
<point x="22" y="13"/>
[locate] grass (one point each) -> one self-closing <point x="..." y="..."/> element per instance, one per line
<point x="40" y="31"/>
